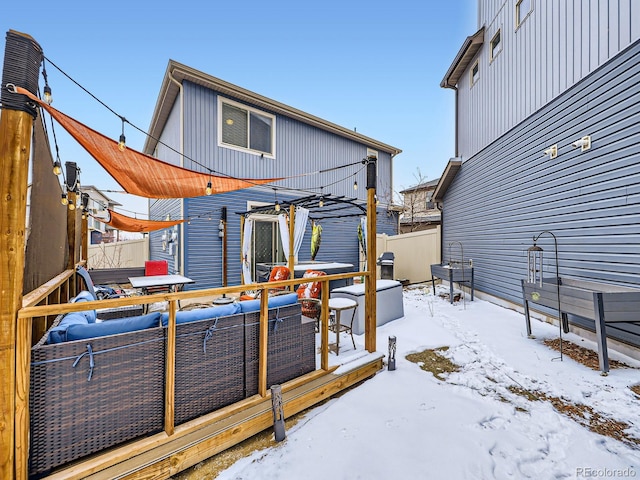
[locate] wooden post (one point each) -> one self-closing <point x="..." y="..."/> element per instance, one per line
<point x="225" y="271"/>
<point x="85" y="237"/>
<point x="16" y="124"/>
<point x="292" y="257"/>
<point x="324" y="325"/>
<point x="170" y="371"/>
<point x="370" y="281"/>
<point x="263" y="349"/>
<point x="241" y="241"/>
<point x="71" y="233"/>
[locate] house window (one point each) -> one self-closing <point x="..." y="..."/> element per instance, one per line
<point x="496" y="45"/>
<point x="475" y="73"/>
<point x="523" y="9"/>
<point x="429" y="198"/>
<point x="245" y="128"/>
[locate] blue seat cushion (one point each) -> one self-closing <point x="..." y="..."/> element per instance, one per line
<point x="202" y="314"/>
<point x="113" y="327"/>
<point x="85" y="296"/>
<point x="58" y="334"/>
<point x="274" y="301"/>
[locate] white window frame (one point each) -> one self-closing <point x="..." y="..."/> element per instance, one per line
<point x="495" y="50"/>
<point x="474" y="78"/>
<point x="519" y="19"/>
<point x="249" y="109"/>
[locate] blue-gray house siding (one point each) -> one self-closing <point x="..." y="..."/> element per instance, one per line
<point x="312" y="156"/>
<point x="510" y="191"/>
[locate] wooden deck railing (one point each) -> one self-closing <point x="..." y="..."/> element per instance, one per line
<point x="45" y="303"/>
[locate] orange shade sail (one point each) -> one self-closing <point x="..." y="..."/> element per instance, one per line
<point x="140" y="174"/>
<point x="128" y="224"/>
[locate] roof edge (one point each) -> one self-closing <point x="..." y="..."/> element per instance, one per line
<point x="169" y="91"/>
<point x="450" y="172"/>
<point x="468" y="50"/>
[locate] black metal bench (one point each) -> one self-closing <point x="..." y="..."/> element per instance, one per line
<point x="458" y="274"/>
<point x="601" y="302"/>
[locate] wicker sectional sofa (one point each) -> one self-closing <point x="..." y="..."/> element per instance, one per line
<point x="92" y="392"/>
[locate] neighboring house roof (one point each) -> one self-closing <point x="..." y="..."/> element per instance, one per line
<point x="468" y="50"/>
<point x="447" y="177"/>
<point x="421" y="186"/>
<point x="177" y="72"/>
<point x="97" y="191"/>
<point x="420" y="218"/>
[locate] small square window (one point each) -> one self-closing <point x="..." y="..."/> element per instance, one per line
<point x="475" y="73"/>
<point x="496" y="45"/>
<point x="523" y="9"/>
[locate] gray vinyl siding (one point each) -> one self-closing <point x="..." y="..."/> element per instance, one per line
<point x="159" y="209"/>
<point x="560" y="43"/>
<point x="590" y="200"/>
<point x="300" y="149"/>
<point x="169" y="146"/>
<point x="203" y="247"/>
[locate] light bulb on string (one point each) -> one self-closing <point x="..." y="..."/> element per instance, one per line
<point x="72" y="205"/>
<point x="277" y="206"/>
<point x="209" y="188"/>
<point x="63" y="199"/>
<point x="321" y="202"/>
<point x="47" y="95"/>
<point x="57" y="168"/>
<point x="355" y="185"/>
<point x="122" y="143"/>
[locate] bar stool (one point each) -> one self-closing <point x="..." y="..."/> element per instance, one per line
<point x="336" y="307"/>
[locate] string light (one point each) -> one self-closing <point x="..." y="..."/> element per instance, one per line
<point x="47" y="95"/>
<point x="277" y="204"/>
<point x="321" y="202"/>
<point x="64" y="200"/>
<point x="209" y="188"/>
<point x="122" y="143"/>
<point x="57" y="168"/>
<point x="47" y="89"/>
<point x="355" y="185"/>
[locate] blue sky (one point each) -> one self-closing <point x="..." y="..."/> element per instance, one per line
<point x="374" y="66"/>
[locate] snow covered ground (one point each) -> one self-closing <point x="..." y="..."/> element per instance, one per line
<point x="479" y="423"/>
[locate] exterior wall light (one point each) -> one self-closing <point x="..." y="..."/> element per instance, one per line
<point x="552" y="151"/>
<point x="584" y="143"/>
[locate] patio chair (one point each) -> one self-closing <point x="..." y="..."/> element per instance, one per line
<point x="309" y="296"/>
<point x="156" y="267"/>
<point x="277" y="274"/>
<point x="102" y="292"/>
<point x="98" y="292"/>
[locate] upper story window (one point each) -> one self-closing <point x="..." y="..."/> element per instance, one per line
<point x="496" y="45"/>
<point x="245" y="128"/>
<point x="523" y="9"/>
<point x="475" y="73"/>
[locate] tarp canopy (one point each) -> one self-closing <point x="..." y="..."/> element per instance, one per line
<point x="128" y="224"/>
<point x="141" y="174"/>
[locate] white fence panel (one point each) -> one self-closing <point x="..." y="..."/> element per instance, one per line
<point x="414" y="253"/>
<point x="130" y="253"/>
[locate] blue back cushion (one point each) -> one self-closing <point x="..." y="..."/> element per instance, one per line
<point x="274" y="301"/>
<point x="85" y="296"/>
<point x="58" y="334"/>
<point x="113" y="327"/>
<point x="202" y="313"/>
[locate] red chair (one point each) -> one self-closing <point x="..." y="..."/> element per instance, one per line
<point x="156" y="267"/>
<point x="309" y="295"/>
<point x="277" y="274"/>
